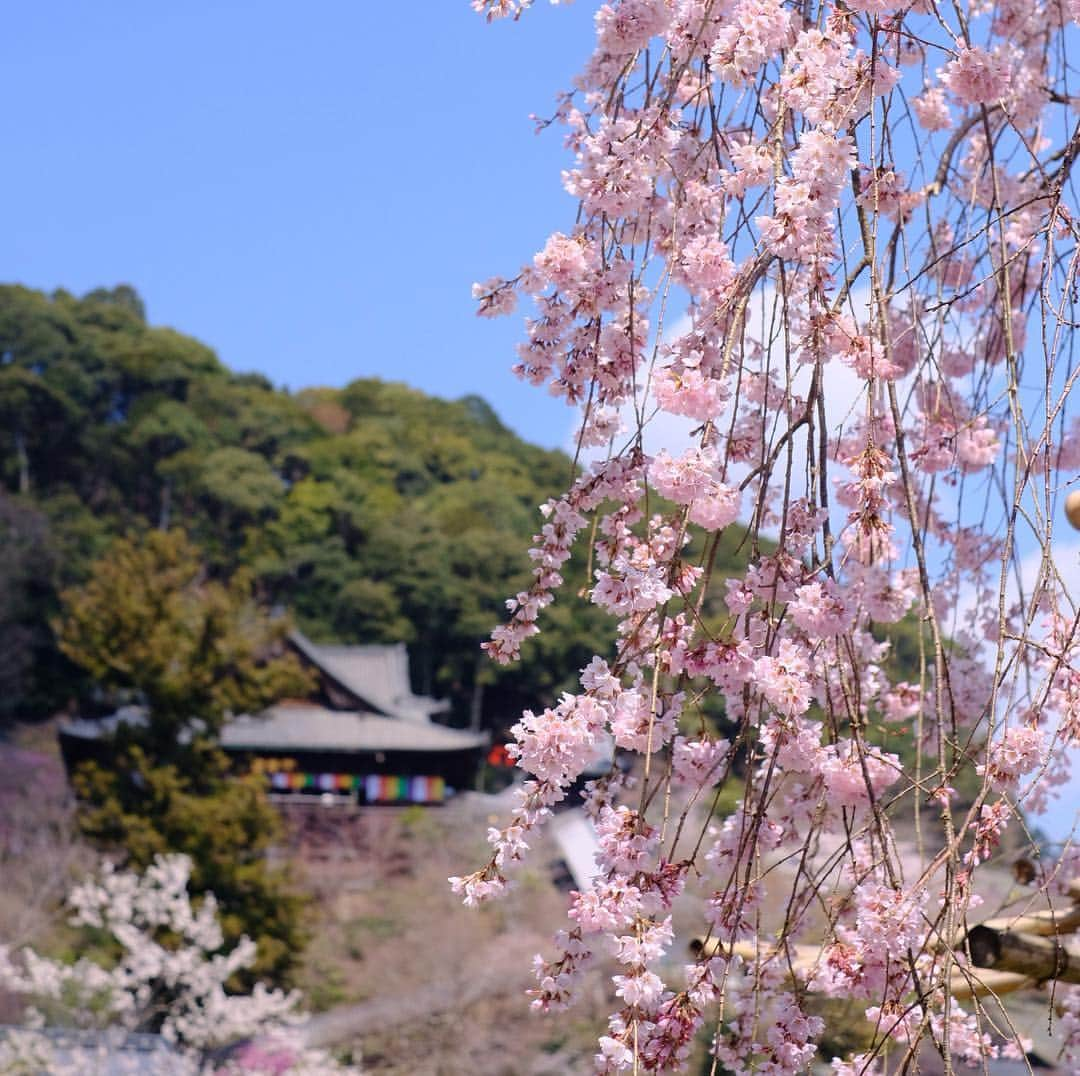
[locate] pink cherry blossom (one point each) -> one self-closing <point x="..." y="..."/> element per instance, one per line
<point x="977" y="76"/>
<point x="821" y="346"/>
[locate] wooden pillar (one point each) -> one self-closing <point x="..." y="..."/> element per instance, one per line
<point x="1039" y="958"/>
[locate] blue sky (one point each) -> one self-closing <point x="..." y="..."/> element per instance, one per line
<point x="310" y="189"/>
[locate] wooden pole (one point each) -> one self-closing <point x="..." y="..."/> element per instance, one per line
<point x="1039" y="958"/>
<point x="965" y="984"/>
<point x="982" y="982"/>
<point x="1044" y="922"/>
<point x="1008" y="954"/>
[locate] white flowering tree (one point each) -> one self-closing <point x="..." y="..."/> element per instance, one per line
<point x="168" y="978"/>
<point x="820" y="294"/>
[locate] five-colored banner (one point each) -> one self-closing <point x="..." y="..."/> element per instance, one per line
<point x="375" y="788"/>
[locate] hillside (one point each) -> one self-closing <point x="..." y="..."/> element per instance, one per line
<point x="372" y="512"/>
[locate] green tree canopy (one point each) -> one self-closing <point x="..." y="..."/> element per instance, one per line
<point x="152" y="625"/>
<point x="191" y="648"/>
<point x="375" y="513"/>
<point x="222" y="821"/>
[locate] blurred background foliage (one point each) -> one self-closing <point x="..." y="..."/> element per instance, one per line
<point x="152" y="500"/>
<point x="373" y="513"/>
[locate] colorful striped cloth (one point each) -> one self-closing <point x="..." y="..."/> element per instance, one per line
<point x="377" y="788"/>
<point x="380" y="788"/>
<point x="427" y="789"/>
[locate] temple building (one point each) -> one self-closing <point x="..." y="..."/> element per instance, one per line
<point x="361" y="734"/>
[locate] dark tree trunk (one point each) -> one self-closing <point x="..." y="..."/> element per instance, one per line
<point x="24" y="462"/>
<point x="476" y="707"/>
<point x="165" y="512"/>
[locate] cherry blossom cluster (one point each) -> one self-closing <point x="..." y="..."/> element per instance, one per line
<point x="814" y="317"/>
<point x="169" y="979"/>
<point x="564" y="520"/>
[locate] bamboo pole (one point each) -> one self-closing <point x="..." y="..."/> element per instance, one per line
<point x="965" y="983"/>
<point x="983" y="982"/>
<point x="1008" y="953"/>
<point x="802" y="956"/>
<point x="1039" y="958"/>
<point x="1044" y="923"/>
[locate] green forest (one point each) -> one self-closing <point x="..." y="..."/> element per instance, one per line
<point x="164" y="519"/>
<point x="370" y="513"/>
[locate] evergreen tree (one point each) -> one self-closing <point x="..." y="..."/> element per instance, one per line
<point x="151" y="626"/>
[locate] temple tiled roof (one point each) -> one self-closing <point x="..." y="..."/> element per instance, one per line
<point x="377" y="676"/>
<point x="385" y="716"/>
<point x="309" y="727"/>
